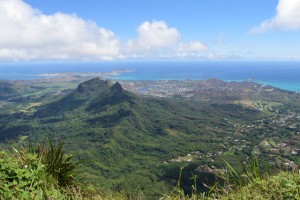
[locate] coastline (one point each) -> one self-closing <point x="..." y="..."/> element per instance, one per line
<point x="283" y="75"/>
<point x="118" y="75"/>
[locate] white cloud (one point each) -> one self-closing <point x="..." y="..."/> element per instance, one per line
<point x="157" y="40"/>
<point x="26" y="34"/>
<point x="191" y="47"/>
<point x="153" y="36"/>
<point x="288" y="17"/>
<point x="29" y="34"/>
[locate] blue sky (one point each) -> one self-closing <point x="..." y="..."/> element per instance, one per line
<point x="156" y="29"/>
<point x="194" y="18"/>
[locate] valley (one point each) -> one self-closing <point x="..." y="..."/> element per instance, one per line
<point x="132" y="134"/>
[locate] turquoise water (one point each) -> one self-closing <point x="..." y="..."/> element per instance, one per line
<point x="285" y="75"/>
<point x="292" y="86"/>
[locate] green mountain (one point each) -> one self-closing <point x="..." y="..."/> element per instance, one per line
<point x="128" y="141"/>
<point x="10" y="90"/>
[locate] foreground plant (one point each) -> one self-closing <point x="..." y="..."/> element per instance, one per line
<point x="251" y="183"/>
<point x="21" y="180"/>
<point x="37" y="172"/>
<point x="57" y="163"/>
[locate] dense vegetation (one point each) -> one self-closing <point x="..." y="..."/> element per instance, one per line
<point x="46" y="172"/>
<point x="37" y="172"/>
<point x="127" y="142"/>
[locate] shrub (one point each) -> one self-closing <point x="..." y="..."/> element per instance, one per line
<point x="20" y="180"/>
<point x="37" y="172"/>
<point x="57" y="163"/>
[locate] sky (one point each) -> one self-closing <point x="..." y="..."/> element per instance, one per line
<point x="96" y="30"/>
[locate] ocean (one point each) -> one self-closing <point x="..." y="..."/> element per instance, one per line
<point x="282" y="74"/>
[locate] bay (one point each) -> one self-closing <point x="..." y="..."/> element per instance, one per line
<point x="282" y="74"/>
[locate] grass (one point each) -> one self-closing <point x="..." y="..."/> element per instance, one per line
<point x="46" y="172"/>
<point x="284" y="185"/>
<point x="251" y="183"/>
<point x="57" y="163"/>
<point x="38" y="172"/>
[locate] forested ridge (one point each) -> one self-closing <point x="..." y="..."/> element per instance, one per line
<point x="127" y="142"/>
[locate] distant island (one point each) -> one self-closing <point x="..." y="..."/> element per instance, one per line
<point x="71" y="76"/>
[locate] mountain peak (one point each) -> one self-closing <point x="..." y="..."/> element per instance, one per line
<point x="117" y="87"/>
<point x="92" y="85"/>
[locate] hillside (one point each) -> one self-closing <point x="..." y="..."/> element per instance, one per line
<point x="10" y="90"/>
<point x="129" y="141"/>
<point x="27" y="172"/>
